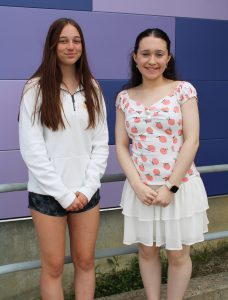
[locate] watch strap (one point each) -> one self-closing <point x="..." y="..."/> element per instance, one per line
<point x="168" y="184"/>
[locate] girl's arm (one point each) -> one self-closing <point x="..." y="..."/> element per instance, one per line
<point x="190" y="116"/>
<point x="34" y="151"/>
<point x="144" y="193"/>
<point x="98" y="159"/>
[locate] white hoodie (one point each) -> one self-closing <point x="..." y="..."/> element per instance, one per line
<point x="62" y="162"/>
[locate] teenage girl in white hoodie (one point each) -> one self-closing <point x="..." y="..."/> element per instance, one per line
<point x="64" y="143"/>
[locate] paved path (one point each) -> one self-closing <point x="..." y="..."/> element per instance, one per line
<point x="211" y="287"/>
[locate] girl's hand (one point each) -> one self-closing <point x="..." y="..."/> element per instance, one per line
<point x="164" y="196"/>
<point x="79" y="202"/>
<point x="145" y="193"/>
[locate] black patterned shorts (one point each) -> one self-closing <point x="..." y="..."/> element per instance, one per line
<point x="49" y="206"/>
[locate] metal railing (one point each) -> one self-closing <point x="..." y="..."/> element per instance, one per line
<point x="13" y="187"/>
<point x="101" y="253"/>
<point x="35" y="264"/>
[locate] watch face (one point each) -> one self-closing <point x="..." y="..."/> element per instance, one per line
<point x="174" y="189"/>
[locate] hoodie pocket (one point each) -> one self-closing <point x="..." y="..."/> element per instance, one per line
<point x="72" y="170"/>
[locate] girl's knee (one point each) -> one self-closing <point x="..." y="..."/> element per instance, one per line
<point x="178" y="258"/>
<point x="84" y="262"/>
<point x="53" y="268"/>
<point x="146" y="252"/>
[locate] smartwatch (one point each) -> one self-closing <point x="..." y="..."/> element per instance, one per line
<point x="172" y="188"/>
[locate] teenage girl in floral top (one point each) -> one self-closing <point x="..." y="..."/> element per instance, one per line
<point x="164" y="201"/>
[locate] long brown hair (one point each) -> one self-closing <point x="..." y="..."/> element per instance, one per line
<point x="50" y="79"/>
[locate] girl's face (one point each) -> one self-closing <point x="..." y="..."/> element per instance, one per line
<point x="69" y="47"/>
<point x="152" y="57"/>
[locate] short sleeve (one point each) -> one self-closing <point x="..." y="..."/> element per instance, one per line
<point x="121" y="101"/>
<point x="186" y="92"/>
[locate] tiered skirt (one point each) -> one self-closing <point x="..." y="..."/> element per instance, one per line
<point x="183" y="222"/>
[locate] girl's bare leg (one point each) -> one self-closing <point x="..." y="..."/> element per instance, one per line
<point x="51" y="232"/>
<point x="179" y="272"/>
<point x="150" y="269"/>
<point x="83" y="228"/>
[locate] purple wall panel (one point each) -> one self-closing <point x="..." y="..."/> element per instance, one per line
<point x="13" y="169"/>
<point x="113" y="165"/>
<point x="109" y="39"/>
<point x="178" y="8"/>
<point x="10" y="94"/>
<point x="111" y="194"/>
<point x="14" y="205"/>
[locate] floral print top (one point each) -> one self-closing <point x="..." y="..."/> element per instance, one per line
<point x="156" y="133"/>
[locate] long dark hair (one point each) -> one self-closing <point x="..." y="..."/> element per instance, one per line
<point x="50" y="79"/>
<point x="136" y="76"/>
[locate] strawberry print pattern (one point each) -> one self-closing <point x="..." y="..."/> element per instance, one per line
<point x="157" y="134"/>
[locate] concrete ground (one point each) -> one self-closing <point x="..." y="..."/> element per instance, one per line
<point x="211" y="287"/>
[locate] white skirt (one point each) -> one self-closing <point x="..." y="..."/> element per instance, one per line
<point x="182" y="222"/>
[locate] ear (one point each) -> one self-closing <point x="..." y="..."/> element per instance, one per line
<point x="169" y="58"/>
<point x="134" y="57"/>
